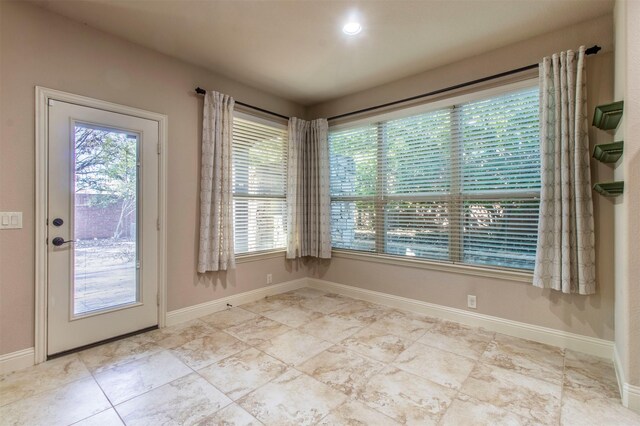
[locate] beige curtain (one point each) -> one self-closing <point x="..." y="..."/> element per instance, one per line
<point x="308" y="198"/>
<point x="565" y="258"/>
<point x="216" y="250"/>
<point x="295" y="202"/>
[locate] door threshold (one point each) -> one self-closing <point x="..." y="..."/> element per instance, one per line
<point x="102" y="342"/>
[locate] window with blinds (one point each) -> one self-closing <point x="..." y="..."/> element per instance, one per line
<point x="259" y="186"/>
<point x="458" y="184"/>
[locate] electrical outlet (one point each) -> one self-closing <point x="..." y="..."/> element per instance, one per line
<point x="471" y="301"/>
<point x="269" y="279"/>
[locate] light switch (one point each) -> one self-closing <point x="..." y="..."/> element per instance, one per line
<point x="11" y="220"/>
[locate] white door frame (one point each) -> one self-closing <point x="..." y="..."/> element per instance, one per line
<point x="43" y="95"/>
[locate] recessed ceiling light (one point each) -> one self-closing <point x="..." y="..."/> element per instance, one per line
<point x="352" y="28"/>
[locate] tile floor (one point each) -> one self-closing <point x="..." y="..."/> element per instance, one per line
<point x="307" y="357"/>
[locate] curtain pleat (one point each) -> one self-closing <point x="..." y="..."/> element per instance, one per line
<point x="295" y="187"/>
<point x="565" y="257"/>
<point x="216" y="249"/>
<point x="308" y="198"/>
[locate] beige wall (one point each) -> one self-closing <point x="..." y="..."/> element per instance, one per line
<point x="597" y="31"/>
<point x="590" y="316"/>
<point x="621" y="257"/>
<point x="632" y="180"/>
<point x="40" y="48"/>
<point x="627" y="207"/>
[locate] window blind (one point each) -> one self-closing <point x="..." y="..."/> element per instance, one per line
<point x="458" y="184"/>
<point x="500" y="179"/>
<point x="259" y="186"/>
<point x="353" y="181"/>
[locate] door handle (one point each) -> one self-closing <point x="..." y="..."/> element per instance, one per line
<point x="58" y="241"/>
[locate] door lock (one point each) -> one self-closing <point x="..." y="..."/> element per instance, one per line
<point x="58" y="222"/>
<point x="58" y="241"/>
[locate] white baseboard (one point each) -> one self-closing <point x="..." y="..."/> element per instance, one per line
<point x="617" y="365"/>
<point x="629" y="393"/>
<point x="16" y="360"/>
<point x="196" y="311"/>
<point x="550" y="336"/>
<point x="631" y="397"/>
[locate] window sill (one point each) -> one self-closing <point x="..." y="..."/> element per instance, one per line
<point x="478" y="271"/>
<point x="262" y="255"/>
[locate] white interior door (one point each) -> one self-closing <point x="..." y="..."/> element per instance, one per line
<point x="102" y="225"/>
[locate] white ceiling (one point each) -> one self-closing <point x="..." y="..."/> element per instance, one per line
<point x="296" y="49"/>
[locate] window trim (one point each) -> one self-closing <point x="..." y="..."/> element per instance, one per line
<point x="254" y="256"/>
<point x="517" y="275"/>
<point x="379" y="201"/>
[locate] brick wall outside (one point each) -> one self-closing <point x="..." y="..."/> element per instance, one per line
<point x="97" y="217"/>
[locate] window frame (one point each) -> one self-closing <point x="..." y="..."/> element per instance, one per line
<point x="250" y="256"/>
<point x="456" y="194"/>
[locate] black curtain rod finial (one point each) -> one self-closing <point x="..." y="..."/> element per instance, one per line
<point x="593" y="50"/>
<point x="200" y="91"/>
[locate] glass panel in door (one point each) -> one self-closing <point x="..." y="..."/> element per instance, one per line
<point x="105" y="213"/>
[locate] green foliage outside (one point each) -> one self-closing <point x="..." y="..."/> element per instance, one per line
<point x="105" y="165"/>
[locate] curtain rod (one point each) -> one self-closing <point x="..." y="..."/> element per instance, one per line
<point x="201" y="91"/>
<point x="590" y="51"/>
